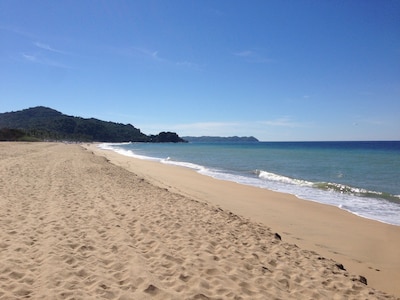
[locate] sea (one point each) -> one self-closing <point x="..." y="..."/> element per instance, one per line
<point x="360" y="177"/>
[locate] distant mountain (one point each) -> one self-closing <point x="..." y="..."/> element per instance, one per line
<point x="221" y="139"/>
<point x="44" y="123"/>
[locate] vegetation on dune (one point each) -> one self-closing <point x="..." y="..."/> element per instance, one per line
<point x="7" y="134"/>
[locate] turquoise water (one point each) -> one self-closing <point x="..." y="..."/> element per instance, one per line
<point x="361" y="177"/>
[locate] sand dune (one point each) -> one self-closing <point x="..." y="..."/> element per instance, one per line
<point x="75" y="226"/>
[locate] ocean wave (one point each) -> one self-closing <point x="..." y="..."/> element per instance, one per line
<point x="280" y="178"/>
<point x="362" y="202"/>
<point x="189" y="165"/>
<point x="114" y="147"/>
<point x="354" y="191"/>
<point x="327" y="186"/>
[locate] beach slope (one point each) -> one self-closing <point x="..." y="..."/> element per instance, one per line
<point x="73" y="225"/>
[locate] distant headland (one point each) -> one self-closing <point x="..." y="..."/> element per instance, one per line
<point x="46" y="124"/>
<point x="221" y="139"/>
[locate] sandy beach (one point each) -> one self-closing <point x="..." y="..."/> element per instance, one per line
<point x="78" y="222"/>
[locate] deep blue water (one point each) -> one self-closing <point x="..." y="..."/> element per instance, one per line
<point x="361" y="177"/>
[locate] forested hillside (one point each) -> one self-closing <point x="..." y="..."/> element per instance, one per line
<point x="44" y="123"/>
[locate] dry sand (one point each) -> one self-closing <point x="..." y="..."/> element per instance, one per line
<point x="74" y="225"/>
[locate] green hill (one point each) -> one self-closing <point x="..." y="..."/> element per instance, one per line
<point x="44" y="123"/>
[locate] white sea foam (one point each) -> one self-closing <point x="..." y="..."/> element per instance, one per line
<point x="275" y="177"/>
<point x="367" y="207"/>
<point x="114" y="147"/>
<point x="342" y="196"/>
<point x="169" y="161"/>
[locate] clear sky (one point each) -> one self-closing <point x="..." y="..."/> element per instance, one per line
<point x="277" y="70"/>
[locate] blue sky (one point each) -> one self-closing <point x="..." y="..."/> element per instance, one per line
<point x="277" y="70"/>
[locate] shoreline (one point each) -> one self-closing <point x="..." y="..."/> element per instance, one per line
<point x="78" y="222"/>
<point x="364" y="246"/>
<point x="309" y="191"/>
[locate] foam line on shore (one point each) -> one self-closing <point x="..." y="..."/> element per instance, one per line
<point x="362" y="245"/>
